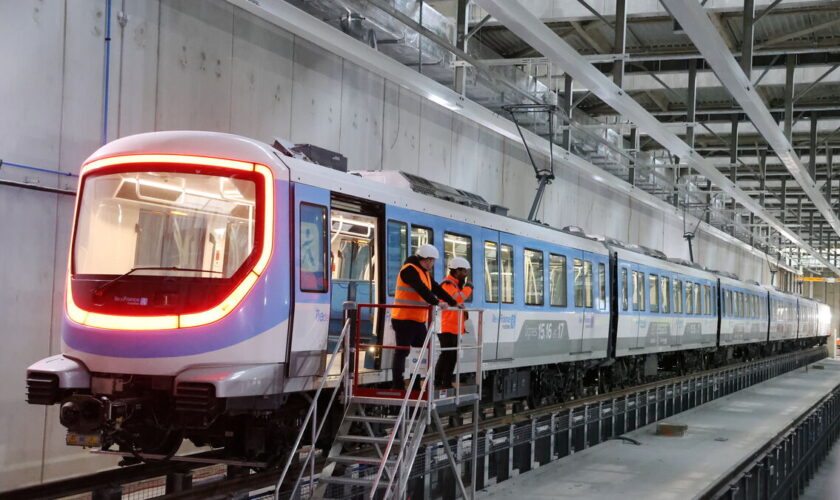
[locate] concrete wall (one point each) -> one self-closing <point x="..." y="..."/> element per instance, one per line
<point x="180" y="64"/>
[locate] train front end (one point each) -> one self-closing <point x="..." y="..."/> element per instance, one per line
<point x="176" y="310"/>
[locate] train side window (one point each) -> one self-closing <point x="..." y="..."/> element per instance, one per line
<point x="665" y="297"/>
<point x="653" y="290"/>
<point x="624" y="298"/>
<point x="507" y="274"/>
<point x="457" y="245"/>
<point x="397" y="251"/>
<point x="689" y="297"/>
<point x="635" y="291"/>
<point x="421" y="236"/>
<point x="557" y="281"/>
<point x="602" y="286"/>
<point x="491" y="272"/>
<point x="707" y="297"/>
<point x="313" y="248"/>
<point x="727" y="295"/>
<point x="697" y="305"/>
<point x="534" y="276"/>
<point x="587" y="283"/>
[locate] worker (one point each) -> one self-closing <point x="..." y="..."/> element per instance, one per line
<point x="415" y="287"/>
<point x="453" y="323"/>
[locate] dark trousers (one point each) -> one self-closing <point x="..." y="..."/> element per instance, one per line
<point x="407" y="333"/>
<point x="445" y="369"/>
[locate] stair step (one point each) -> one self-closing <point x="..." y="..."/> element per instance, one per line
<point x="372" y="420"/>
<point x="352" y="481"/>
<point x="352" y="438"/>
<point x="353" y="459"/>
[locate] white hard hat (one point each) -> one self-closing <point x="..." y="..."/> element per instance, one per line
<point x="427" y="252"/>
<point x="459" y="263"/>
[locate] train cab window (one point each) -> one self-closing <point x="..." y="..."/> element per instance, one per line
<point x="602" y="286"/>
<point x="491" y="272"/>
<point x="635" y="291"/>
<point x="534" y="284"/>
<point x="653" y="290"/>
<point x="624" y="297"/>
<point x="639" y="288"/>
<point x="456" y="245"/>
<point x="697" y="305"/>
<point x="397" y="251"/>
<point x="421" y="236"/>
<point x="707" y="299"/>
<point x="665" y="297"/>
<point x="313" y="248"/>
<point x="689" y="297"/>
<point x="507" y="274"/>
<point x="678" y="296"/>
<point x="557" y="281"/>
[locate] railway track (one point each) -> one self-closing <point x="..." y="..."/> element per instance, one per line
<point x="529" y="438"/>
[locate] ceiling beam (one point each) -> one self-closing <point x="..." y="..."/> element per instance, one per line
<point x="532" y="31"/>
<point x="701" y="31"/>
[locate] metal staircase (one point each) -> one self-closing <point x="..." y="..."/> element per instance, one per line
<point x="381" y="429"/>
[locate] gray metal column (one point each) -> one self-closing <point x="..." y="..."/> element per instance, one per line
<point x="790" y="66"/>
<point x="634" y="143"/>
<point x="733" y="160"/>
<point x="747" y="38"/>
<point x="567" y="104"/>
<point x="691" y="102"/>
<point x="762" y="172"/>
<point x="829" y="162"/>
<point x="620" y="41"/>
<point x="460" y="83"/>
<point x="784" y="201"/>
<point x="812" y="160"/>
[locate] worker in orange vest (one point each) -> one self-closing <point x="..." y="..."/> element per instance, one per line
<point x="452" y="323"/>
<point x="415" y="287"/>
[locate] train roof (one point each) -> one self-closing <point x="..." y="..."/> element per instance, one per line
<point x="395" y="188"/>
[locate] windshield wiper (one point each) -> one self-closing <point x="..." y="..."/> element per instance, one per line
<point x="97" y="292"/>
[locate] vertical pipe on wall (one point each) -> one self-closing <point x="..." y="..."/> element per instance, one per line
<point x="106" y="72"/>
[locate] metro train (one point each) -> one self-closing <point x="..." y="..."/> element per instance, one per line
<point x="207" y="275"/>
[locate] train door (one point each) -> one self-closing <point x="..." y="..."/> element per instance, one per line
<point x="628" y="326"/>
<point x="511" y="267"/>
<point x="581" y="299"/>
<point x="354" y="266"/>
<point x="490" y="299"/>
<point x="595" y="325"/>
<point x="310" y="265"/>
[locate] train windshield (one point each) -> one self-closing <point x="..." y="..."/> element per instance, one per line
<point x="166" y="241"/>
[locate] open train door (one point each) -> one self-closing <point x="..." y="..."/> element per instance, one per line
<point x="355" y="274"/>
<point x="310" y="279"/>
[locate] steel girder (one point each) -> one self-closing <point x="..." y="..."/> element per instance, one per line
<point x="708" y="41"/>
<point x="532" y="31"/>
<point x="284" y="15"/>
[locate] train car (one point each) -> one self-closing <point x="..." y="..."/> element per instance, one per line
<point x="744" y="312"/>
<point x="664" y="306"/>
<point x="783" y="316"/>
<point x="208" y="273"/>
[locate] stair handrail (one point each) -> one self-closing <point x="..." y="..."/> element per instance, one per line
<point x="312" y="411"/>
<point x="408" y="423"/>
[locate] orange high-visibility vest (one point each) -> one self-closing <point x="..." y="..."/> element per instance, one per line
<point x="407" y="296"/>
<point x="449" y="319"/>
